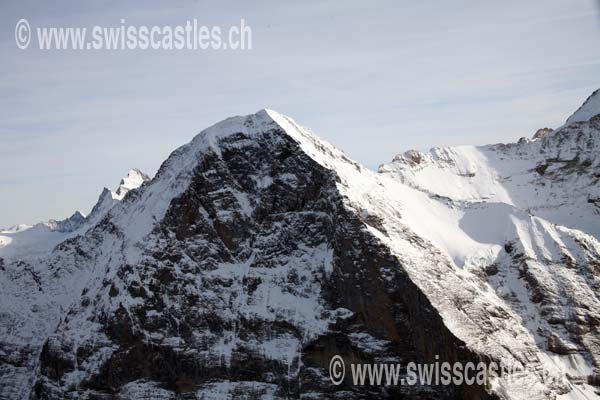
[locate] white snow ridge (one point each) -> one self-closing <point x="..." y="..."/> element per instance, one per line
<point x="259" y="251"/>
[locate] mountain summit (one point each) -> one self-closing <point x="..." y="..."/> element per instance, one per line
<point x="260" y="251"/>
<point x="133" y="180"/>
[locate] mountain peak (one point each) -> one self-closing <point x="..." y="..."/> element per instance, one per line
<point x="255" y="124"/>
<point x="250" y="124"/>
<point x="246" y="124"/>
<point x="133" y="180"/>
<point x="107" y="199"/>
<point x="589" y="109"/>
<point x="69" y="224"/>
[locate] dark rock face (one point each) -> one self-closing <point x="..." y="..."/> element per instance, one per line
<point x="257" y="275"/>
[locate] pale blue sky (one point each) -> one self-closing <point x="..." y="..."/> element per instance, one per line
<point x="373" y="81"/>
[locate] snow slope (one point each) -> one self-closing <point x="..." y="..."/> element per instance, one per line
<point x="589" y="109"/>
<point x="555" y="177"/>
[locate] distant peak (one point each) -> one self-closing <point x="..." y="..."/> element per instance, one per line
<point x="133" y="180"/>
<point x="66" y="225"/>
<point x="136" y="172"/>
<point x="77" y="215"/>
<point x="589" y="109"/>
<point x="135" y="175"/>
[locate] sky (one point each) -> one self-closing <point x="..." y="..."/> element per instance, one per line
<point x="374" y="81"/>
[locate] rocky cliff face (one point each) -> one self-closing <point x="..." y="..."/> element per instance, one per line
<point x="260" y="251"/>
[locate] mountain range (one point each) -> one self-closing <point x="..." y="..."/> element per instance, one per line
<point x="259" y="251"/>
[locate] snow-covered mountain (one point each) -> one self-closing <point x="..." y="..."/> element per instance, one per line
<point x="554" y="176"/>
<point x="107" y="199"/>
<point x="259" y="251"/>
<point x="29" y="241"/>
